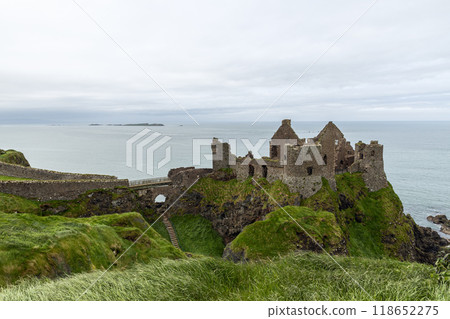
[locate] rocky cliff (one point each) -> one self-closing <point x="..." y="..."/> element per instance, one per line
<point x="371" y="224"/>
<point x="13" y="157"/>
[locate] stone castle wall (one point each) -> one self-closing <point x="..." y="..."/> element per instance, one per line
<point x="56" y="189"/>
<point x="43" y="174"/>
<point x="369" y="161"/>
<point x="324" y="156"/>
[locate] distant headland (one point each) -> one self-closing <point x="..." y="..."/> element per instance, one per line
<point x="133" y="124"/>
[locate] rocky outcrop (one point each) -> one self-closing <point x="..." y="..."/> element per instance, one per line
<point x="13" y="157"/>
<point x="428" y="244"/>
<point x="230" y="218"/>
<point x="441" y="220"/>
<point x="104" y="202"/>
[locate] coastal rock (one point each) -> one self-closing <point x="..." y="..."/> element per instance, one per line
<point x="441" y="220"/>
<point x="428" y="244"/>
<point x="13" y="157"/>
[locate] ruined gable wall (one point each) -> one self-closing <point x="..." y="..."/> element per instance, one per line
<point x="369" y="161"/>
<point x="304" y="178"/>
<point x="221" y="154"/>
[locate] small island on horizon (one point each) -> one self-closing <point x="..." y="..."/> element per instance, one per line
<point x="132" y="124"/>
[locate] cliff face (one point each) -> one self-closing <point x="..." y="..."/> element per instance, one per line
<point x="231" y="205"/>
<point x="371" y="224"/>
<point x="13" y="157"/>
<point x="350" y="220"/>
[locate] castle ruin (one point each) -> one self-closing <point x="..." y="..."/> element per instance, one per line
<point x="301" y="163"/>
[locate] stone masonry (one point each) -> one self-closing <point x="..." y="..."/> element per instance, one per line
<point x="302" y="163"/>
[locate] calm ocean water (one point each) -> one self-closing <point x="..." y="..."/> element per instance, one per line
<point x="417" y="154"/>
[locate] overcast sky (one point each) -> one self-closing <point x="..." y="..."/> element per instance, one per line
<point x="223" y="60"/>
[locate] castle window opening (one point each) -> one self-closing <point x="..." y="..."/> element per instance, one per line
<point x="264" y="171"/>
<point x="160" y="198"/>
<point x="274" y="151"/>
<point x="336" y="142"/>
<point x="372" y="153"/>
<point x="251" y="170"/>
<point x="325" y="159"/>
<point x="361" y="156"/>
<point x="309" y="170"/>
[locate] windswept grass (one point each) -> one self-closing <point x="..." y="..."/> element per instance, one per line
<point x="13" y="204"/>
<point x="196" y="235"/>
<point x="216" y="192"/>
<point x="279" y="234"/>
<point x="10" y="178"/>
<point x="54" y="246"/>
<point x="373" y="222"/>
<point x="295" y="277"/>
<point x="13" y="157"/>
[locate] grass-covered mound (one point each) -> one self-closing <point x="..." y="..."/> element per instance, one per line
<point x="279" y="234"/>
<point x="13" y="157"/>
<point x="195" y="235"/>
<point x="373" y="222"/>
<point x="351" y="220"/>
<point x="54" y="246"/>
<point x="16" y="204"/>
<point x="218" y="192"/>
<point x="295" y="277"/>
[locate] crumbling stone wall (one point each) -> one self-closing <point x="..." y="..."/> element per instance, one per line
<point x="332" y="155"/>
<point x="56" y="190"/>
<point x="369" y="161"/>
<point x="221" y="154"/>
<point x="43" y="174"/>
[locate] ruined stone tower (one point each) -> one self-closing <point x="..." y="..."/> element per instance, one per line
<point x="302" y="163"/>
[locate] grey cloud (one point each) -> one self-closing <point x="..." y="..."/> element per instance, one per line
<point x="223" y="60"/>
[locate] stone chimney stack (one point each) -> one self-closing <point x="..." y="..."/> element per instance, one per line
<point x="286" y="122"/>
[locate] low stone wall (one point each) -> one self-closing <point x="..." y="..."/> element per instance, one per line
<point x="56" y="190"/>
<point x="43" y="174"/>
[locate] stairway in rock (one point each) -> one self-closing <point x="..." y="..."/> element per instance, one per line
<point x="171" y="231"/>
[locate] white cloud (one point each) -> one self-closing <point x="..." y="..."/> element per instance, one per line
<point x="231" y="58"/>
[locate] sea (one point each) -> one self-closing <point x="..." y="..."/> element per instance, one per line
<point x="416" y="154"/>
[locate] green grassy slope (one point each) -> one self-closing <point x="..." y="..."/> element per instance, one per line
<point x="216" y="192"/>
<point x="295" y="277"/>
<point x="13" y="157"/>
<point x="374" y="222"/>
<point x="196" y="235"/>
<point x="9" y="178"/>
<point x="280" y="234"/>
<point x="12" y="204"/>
<point x="53" y="246"/>
<point x="369" y="224"/>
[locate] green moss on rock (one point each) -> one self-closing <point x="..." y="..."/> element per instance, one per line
<point x="218" y="192"/>
<point x="373" y="222"/>
<point x="13" y="157"/>
<point x="289" y="229"/>
<point x="54" y="246"/>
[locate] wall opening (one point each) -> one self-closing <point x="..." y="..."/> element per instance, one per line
<point x="264" y="171"/>
<point x="274" y="151"/>
<point x="309" y="170"/>
<point x="160" y="198"/>
<point x="361" y="156"/>
<point x="372" y="153"/>
<point x="251" y="170"/>
<point x="325" y="159"/>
